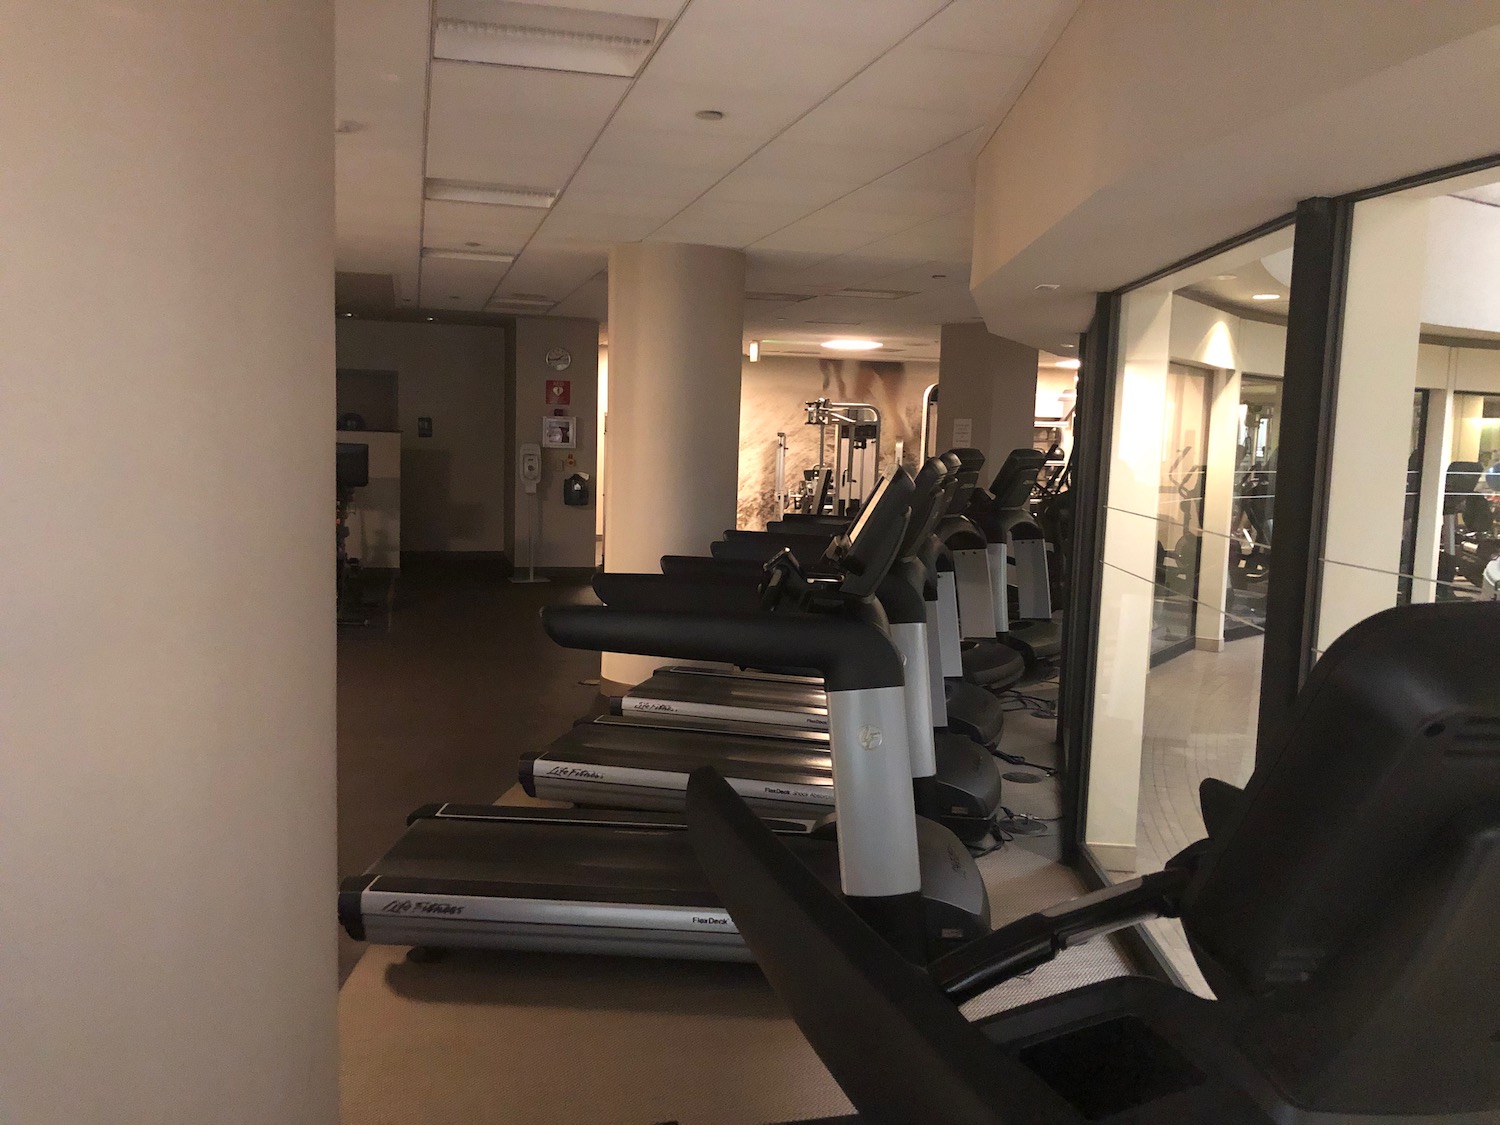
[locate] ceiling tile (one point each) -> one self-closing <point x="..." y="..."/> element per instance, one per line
<point x="726" y="60"/>
<point x="471" y="283"/>
<point x="1015" y="27"/>
<point x="756" y="113"/>
<point x="455" y="225"/>
<point x="600" y="226"/>
<point x="380" y="85"/>
<point x="850" y="164"/>
<point x="501" y="124"/>
<point x="554" y="269"/>
<point x="591" y="300"/>
<point x="617" y="177"/>
<point x="801" y="237"/>
<point x="672" y="148"/>
<point x="905" y="132"/>
<point x="974" y="87"/>
<point x="709" y="232"/>
<point x="880" y="22"/>
<point x="773" y="270"/>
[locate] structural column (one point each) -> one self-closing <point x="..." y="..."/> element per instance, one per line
<point x="988" y="395"/>
<point x="167" y="947"/>
<point x="676" y="317"/>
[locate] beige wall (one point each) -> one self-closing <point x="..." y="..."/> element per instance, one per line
<point x="167" y="942"/>
<point x="453" y="483"/>
<point x="564" y="535"/>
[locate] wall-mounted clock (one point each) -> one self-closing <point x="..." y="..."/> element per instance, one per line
<point x="559" y="359"/>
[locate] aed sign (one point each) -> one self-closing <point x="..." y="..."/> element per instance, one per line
<point x="559" y="392"/>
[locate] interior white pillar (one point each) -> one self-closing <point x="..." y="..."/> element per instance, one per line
<point x="1218" y="509"/>
<point x="1127" y="593"/>
<point x="167" y="859"/>
<point x="676" y="316"/>
<point x="1372" y="421"/>
<point x="988" y="391"/>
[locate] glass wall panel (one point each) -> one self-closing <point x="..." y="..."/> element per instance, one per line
<point x="1416" y="433"/>
<point x="1188" y="526"/>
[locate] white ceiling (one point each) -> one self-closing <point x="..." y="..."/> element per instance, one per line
<point x="844" y="158"/>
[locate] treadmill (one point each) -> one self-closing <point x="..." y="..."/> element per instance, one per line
<point x="625" y="762"/>
<point x="797" y="702"/>
<point x="624" y="882"/>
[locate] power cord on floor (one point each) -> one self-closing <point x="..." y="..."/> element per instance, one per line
<point x="1034" y="705"/>
<point x="1017" y="760"/>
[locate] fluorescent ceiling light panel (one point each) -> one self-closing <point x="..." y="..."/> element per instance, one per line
<point x="876" y="294"/>
<point x="851" y="345"/>
<point x="780" y="298"/>
<point x="1265" y="296"/>
<point x="504" y="302"/>
<point x="501" y="195"/>
<point x="543" y="38"/>
<point x="467" y="255"/>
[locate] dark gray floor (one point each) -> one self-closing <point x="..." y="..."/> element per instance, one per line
<point x="437" y="701"/>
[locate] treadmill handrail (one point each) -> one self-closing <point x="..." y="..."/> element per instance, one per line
<point x="852" y="654"/>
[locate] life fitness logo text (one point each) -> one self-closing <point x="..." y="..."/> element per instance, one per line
<point x="407" y="906"/>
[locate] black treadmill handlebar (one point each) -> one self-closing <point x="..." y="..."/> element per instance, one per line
<point x="852" y="654"/>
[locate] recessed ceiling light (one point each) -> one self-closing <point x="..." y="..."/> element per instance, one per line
<point x="346" y="314"/>
<point x="345" y="127"/>
<point x="431" y="318"/>
<point x="473" y="245"/>
<point x="1048" y="287"/>
<point x="851" y="345"/>
<point x="501" y="195"/>
<point x="545" y="37"/>
<point x="466" y="255"/>
<point x="1070" y="345"/>
<point x="1225" y="276"/>
<point x="454" y="297"/>
<point x="1265" y="296"/>
<point x="1069" y="364"/>
<point x="710" y="115"/>
<point x="938" y="276"/>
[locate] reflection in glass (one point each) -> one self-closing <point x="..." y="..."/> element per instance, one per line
<point x="1470" y="495"/>
<point x="1179" y="517"/>
<point x="1253" y="511"/>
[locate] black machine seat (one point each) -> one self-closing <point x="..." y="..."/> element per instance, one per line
<point x="1343" y="910"/>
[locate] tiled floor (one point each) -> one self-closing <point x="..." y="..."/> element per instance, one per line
<point x="1200" y="722"/>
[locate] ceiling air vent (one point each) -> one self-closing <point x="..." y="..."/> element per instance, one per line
<point x="543" y="37"/>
